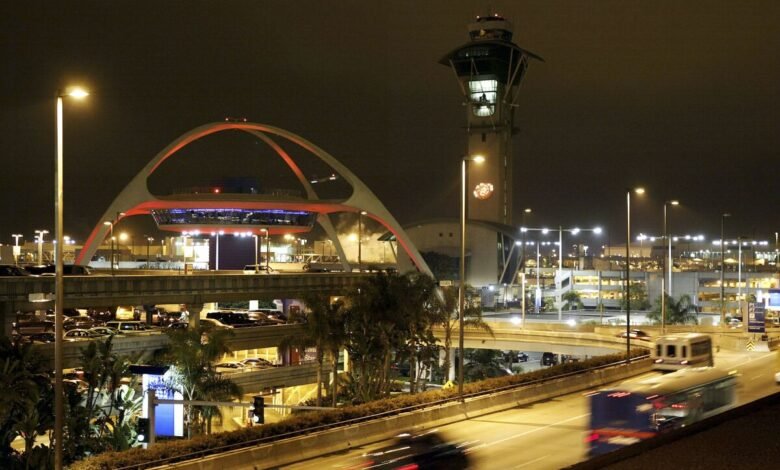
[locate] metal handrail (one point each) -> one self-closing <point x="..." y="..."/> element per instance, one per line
<point x="397" y="411"/>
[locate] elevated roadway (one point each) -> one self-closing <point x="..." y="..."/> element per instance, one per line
<point x="23" y="293"/>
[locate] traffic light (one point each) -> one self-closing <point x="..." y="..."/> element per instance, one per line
<point x="142" y="430"/>
<point x="258" y="410"/>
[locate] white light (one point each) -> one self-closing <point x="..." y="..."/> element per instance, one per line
<point x="575" y="231"/>
<point x="523" y="229"/>
<point x="515" y="320"/>
<point x="597" y="230"/>
<point x="518" y="243"/>
<point x="545" y="231"/>
<point x="571" y="322"/>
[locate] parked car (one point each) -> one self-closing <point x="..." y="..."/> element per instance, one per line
<point x="41" y="337"/>
<point x="635" y="334"/>
<point x="549" y="359"/>
<point x="104" y="331"/>
<point x="257" y="269"/>
<point x="79" y="334"/>
<point x="11" y="270"/>
<point x="211" y="323"/>
<point x="257" y="362"/>
<point x="263" y="318"/>
<point x="130" y="326"/>
<point x="67" y="270"/>
<point x="83" y="322"/>
<point x="522" y="357"/>
<point x="229" y="367"/>
<point x="233" y="319"/>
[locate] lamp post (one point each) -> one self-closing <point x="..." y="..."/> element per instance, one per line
<point x="573" y="231"/>
<point x="739" y="277"/>
<point x="360" y="238"/>
<point x="526" y="211"/>
<point x="59" y="420"/>
<point x="663" y="287"/>
<point x="267" y="249"/>
<point x="462" y="275"/>
<point x="16" y="247"/>
<point x="110" y="225"/>
<point x="39" y="239"/>
<point x="722" y="269"/>
<point x="257" y="267"/>
<point x="149" y="241"/>
<point x="122" y="238"/>
<point x="628" y="270"/>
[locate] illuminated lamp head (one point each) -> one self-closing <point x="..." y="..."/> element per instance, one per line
<point x="483" y="191"/>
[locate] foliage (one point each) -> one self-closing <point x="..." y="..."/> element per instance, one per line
<point x="571" y="301"/>
<point x="638" y="296"/>
<point x="678" y="312"/>
<point x="302" y="422"/>
<point x="483" y="364"/>
<point x="192" y="352"/>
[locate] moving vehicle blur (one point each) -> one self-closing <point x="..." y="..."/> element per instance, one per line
<point x="427" y="450"/>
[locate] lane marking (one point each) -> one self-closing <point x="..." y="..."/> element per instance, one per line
<point x="509" y="438"/>
<point x="531" y="461"/>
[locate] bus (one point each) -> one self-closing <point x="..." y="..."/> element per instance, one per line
<point x="678" y="351"/>
<point x="636" y="411"/>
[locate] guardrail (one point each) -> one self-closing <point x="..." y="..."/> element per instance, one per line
<point x="592" y="376"/>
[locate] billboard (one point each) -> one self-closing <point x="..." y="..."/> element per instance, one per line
<point x="756" y="318"/>
<point x="168" y="419"/>
<point x="773" y="299"/>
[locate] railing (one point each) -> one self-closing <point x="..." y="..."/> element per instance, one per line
<point x="362" y="419"/>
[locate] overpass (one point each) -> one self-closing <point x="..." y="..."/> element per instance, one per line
<point x="26" y="293"/>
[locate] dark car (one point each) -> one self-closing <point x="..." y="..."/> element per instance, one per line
<point x="263" y="318"/>
<point x="80" y="322"/>
<point x="549" y="359"/>
<point x="11" y="270"/>
<point x="41" y="337"/>
<point x="635" y="334"/>
<point x="522" y="357"/>
<point x="419" y="451"/>
<point x="67" y="270"/>
<point x="234" y="319"/>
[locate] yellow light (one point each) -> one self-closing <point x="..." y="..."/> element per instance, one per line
<point x="478" y="158"/>
<point x="639" y="190"/>
<point x="77" y="92"/>
<point x="106" y="223"/>
<point x="674" y="203"/>
<point x="123" y="236"/>
<point x="527" y="210"/>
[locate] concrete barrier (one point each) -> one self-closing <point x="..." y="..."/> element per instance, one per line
<point x="300" y="448"/>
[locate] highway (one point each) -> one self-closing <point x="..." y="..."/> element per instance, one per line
<point x="549" y="435"/>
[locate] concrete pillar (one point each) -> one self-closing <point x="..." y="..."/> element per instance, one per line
<point x="194" y="316"/>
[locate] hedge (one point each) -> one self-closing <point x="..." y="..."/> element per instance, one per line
<point x="178" y="450"/>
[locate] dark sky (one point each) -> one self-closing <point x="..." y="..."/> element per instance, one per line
<point x="681" y="97"/>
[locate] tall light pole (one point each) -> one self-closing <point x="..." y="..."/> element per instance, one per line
<point x="39" y="239"/>
<point x="59" y="419"/>
<point x="149" y="241"/>
<point x="573" y="231"/>
<point x="628" y="270"/>
<point x="257" y="267"/>
<point x="360" y="238"/>
<point x="739" y="278"/>
<point x="462" y="275"/>
<point x="663" y="287"/>
<point x="722" y="269"/>
<point x="267" y="250"/>
<point x="16" y="247"/>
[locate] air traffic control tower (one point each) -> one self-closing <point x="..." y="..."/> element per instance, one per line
<point x="490" y="68"/>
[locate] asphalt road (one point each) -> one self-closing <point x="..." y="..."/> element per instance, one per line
<point x="549" y="435"/>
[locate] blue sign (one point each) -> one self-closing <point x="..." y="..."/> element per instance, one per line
<point x="756" y="318"/>
<point x="168" y="419"/>
<point x="773" y="299"/>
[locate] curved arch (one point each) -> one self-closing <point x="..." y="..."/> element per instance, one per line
<point x="136" y="198"/>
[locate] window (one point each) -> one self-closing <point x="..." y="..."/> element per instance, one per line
<point x="483" y="94"/>
<point x="671" y="350"/>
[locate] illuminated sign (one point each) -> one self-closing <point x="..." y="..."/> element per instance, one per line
<point x="168" y="419"/>
<point x="483" y="191"/>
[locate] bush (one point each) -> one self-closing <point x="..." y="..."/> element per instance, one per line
<point x="181" y="449"/>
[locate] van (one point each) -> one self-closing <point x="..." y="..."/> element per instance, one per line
<point x="549" y="359"/>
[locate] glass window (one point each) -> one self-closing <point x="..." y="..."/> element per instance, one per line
<point x="483" y="94"/>
<point x="671" y="350"/>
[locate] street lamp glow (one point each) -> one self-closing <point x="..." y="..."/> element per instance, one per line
<point x="545" y="231"/>
<point x="575" y="231"/>
<point x="639" y="190"/>
<point x="77" y="92"/>
<point x="527" y="210"/>
<point x="674" y="203"/>
<point x="477" y="159"/>
<point x="597" y="230"/>
<point x="123" y="236"/>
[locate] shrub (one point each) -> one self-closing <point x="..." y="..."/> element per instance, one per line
<point x="207" y="444"/>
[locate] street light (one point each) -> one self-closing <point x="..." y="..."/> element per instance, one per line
<point x="638" y="191"/>
<point x="16" y="247"/>
<point x="39" y="239"/>
<point x="257" y="267"/>
<point x="663" y="287"/>
<point x="360" y="238"/>
<point x="722" y="269"/>
<point x="267" y="249"/>
<point x="59" y="420"/>
<point x="573" y="231"/>
<point x="462" y="275"/>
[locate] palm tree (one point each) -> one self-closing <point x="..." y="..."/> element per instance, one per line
<point x="678" y="312"/>
<point x="571" y="300"/>
<point x="472" y="318"/>
<point x="192" y="353"/>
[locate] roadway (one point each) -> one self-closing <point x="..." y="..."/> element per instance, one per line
<point x="549" y="435"/>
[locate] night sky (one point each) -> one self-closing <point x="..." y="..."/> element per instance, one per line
<point x="680" y="97"/>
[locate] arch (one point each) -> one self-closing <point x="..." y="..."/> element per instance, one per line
<point x="136" y="199"/>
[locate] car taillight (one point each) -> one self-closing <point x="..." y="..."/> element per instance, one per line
<point x="658" y="361"/>
<point x="592" y="437"/>
<point x="411" y="466"/>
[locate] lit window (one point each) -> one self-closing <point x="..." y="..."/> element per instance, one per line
<point x="483" y="95"/>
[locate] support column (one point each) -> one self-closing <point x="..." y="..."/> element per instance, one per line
<point x="194" y="314"/>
